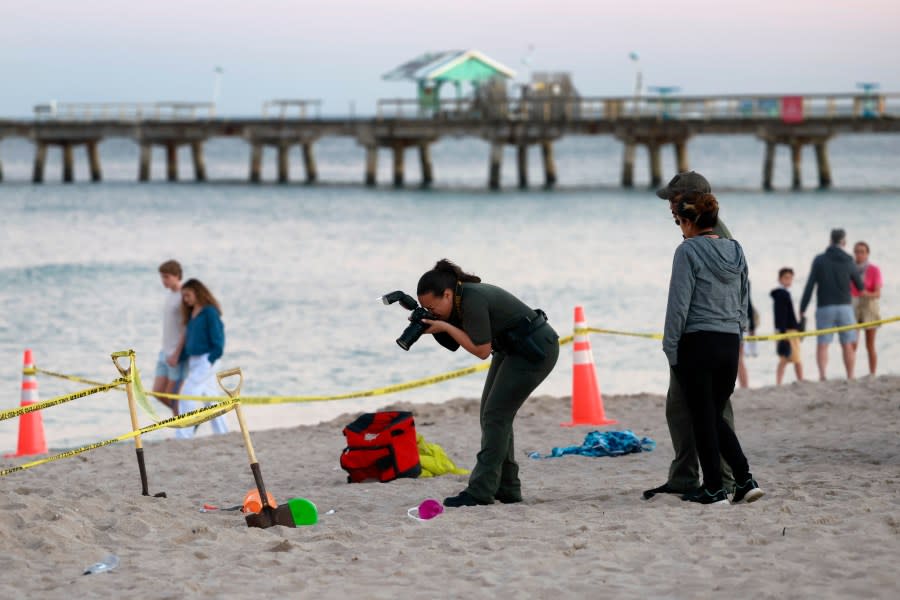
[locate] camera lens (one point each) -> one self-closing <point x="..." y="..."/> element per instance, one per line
<point x="411" y="334"/>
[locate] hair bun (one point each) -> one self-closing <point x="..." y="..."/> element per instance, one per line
<point x="706" y="204"/>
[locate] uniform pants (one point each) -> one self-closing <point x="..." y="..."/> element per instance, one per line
<point x="200" y="381"/>
<point x="707" y="367"/>
<point x="510" y="380"/>
<point x="684" y="472"/>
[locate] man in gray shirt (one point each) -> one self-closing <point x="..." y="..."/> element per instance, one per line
<point x="833" y="271"/>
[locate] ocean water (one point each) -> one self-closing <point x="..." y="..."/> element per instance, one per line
<point x="299" y="269"/>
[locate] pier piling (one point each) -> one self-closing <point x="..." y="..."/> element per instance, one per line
<point x="628" y="165"/>
<point x="256" y="152"/>
<point x="796" y="174"/>
<point x="496" y="162"/>
<point x="549" y="164"/>
<point x="68" y="163"/>
<point x="371" y="165"/>
<point x="171" y="161"/>
<point x="93" y="155"/>
<point x="283" y="166"/>
<point x="40" y="159"/>
<point x="199" y="161"/>
<point x="309" y="163"/>
<point x="681" y="158"/>
<point x="653" y="150"/>
<point x="823" y="164"/>
<point x="144" y="162"/>
<point x="769" y="166"/>
<point x="398" y="149"/>
<point x="426" y="164"/>
<point x="522" y="162"/>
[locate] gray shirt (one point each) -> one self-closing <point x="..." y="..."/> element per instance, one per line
<point x="832" y="271"/>
<point x="708" y="291"/>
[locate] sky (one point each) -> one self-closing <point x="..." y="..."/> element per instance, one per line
<point x="337" y="51"/>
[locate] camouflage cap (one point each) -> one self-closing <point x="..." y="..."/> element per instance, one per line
<point x="689" y="181"/>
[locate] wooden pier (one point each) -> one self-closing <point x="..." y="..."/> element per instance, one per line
<point x="649" y="122"/>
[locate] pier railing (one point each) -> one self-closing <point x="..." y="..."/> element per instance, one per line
<point x="554" y="108"/>
<point x="124" y="111"/>
<point x="293" y="109"/>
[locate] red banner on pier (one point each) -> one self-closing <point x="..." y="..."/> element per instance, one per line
<point x="792" y="109"/>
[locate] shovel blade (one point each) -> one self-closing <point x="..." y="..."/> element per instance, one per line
<point x="263" y="519"/>
<point x="270" y="517"/>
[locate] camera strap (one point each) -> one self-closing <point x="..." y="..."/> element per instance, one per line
<point x="457" y="299"/>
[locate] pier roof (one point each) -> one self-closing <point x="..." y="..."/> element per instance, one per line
<point x="450" y="65"/>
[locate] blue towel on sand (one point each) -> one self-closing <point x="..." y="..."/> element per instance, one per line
<point x="604" y="443"/>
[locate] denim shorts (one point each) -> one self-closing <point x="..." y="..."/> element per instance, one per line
<point x="836" y="315"/>
<point x="163" y="369"/>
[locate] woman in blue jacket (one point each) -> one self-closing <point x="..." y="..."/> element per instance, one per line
<point x="204" y="342"/>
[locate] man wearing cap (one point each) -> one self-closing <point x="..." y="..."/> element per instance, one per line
<point x="684" y="472"/>
<point x="833" y="271"/>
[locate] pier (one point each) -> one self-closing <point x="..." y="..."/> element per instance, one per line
<point x="651" y="123"/>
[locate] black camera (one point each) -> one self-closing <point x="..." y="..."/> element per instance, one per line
<point x="416" y="328"/>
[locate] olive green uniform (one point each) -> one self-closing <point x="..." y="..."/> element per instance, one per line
<point x="684" y="472"/>
<point x="485" y="312"/>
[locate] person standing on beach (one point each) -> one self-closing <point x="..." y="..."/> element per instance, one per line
<point x="865" y="302"/>
<point x="684" y="472"/>
<point x="832" y="273"/>
<point x="204" y="343"/>
<point x="705" y="315"/>
<point x="786" y="322"/>
<point x="489" y="321"/>
<point x="169" y="367"/>
<point x="743" y="376"/>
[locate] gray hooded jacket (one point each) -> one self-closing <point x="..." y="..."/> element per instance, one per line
<point x="707" y="292"/>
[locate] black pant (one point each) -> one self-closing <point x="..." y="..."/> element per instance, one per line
<point x="706" y="370"/>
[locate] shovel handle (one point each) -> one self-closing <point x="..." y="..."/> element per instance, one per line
<point x="236" y="390"/>
<point x="123" y="354"/>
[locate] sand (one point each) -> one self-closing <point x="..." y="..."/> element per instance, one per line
<point x="827" y="454"/>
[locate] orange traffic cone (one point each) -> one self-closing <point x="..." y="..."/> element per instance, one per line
<point x="31" y="425"/>
<point x="587" y="403"/>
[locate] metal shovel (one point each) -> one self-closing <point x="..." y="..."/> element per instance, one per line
<point x="267" y="516"/>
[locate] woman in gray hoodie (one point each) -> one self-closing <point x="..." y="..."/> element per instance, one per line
<point x="706" y="312"/>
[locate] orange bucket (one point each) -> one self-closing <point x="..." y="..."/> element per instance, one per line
<point x="252" y="503"/>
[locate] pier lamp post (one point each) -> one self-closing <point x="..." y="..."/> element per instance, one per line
<point x="638" y="80"/>
<point x="217" y="84"/>
<point x="868" y="102"/>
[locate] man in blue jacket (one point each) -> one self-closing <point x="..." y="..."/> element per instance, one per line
<point x="832" y="271"/>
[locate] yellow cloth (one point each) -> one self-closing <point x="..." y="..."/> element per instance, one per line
<point x="435" y="461"/>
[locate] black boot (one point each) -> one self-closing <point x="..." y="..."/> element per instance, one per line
<point x="464" y="499"/>
<point x="508" y="497"/>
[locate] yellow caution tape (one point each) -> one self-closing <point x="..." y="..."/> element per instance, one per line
<point x="390" y="389"/>
<point x="750" y="338"/>
<point x="800" y="334"/>
<point x="75" y="378"/>
<point x="199" y="415"/>
<point x="16" y="412"/>
<point x="461" y="372"/>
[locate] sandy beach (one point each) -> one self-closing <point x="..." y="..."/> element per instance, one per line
<point x="827" y="454"/>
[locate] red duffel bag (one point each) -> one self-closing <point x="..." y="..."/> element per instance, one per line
<point x="381" y="446"/>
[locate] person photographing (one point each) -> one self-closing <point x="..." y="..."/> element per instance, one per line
<point x="486" y="320"/>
